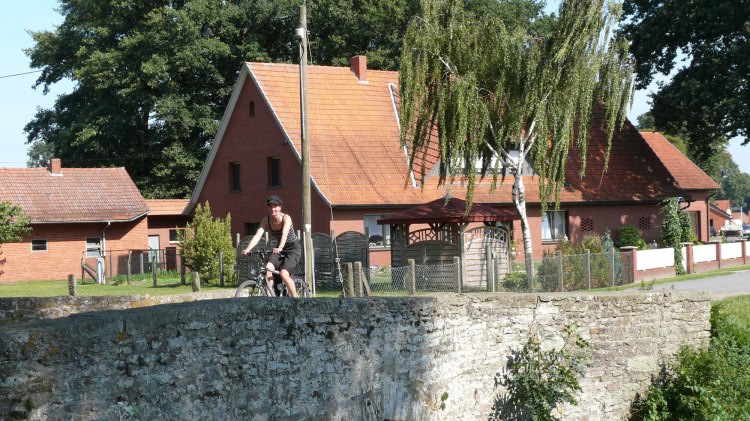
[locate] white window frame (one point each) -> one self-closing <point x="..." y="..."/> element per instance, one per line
<point x="558" y="229"/>
<point x="372" y="227"/>
<point x="46" y="245"/>
<point x="93" y="247"/>
<point x="176" y="235"/>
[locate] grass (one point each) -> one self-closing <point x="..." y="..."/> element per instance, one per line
<point x="115" y="286"/>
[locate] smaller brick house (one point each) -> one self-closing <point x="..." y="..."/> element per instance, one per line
<point x="76" y="213"/>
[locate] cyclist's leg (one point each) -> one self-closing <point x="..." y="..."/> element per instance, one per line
<point x="270" y="291"/>
<point x="286" y="278"/>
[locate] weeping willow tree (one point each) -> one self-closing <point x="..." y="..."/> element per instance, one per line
<point x="480" y="92"/>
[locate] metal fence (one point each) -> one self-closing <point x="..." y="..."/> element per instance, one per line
<point x="557" y="273"/>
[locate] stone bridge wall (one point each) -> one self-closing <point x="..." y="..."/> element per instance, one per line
<point x="333" y="359"/>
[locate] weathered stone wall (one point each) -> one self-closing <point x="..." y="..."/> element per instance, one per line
<point x="23" y="309"/>
<point x="333" y="359"/>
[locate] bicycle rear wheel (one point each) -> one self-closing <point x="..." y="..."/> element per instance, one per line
<point x="302" y="290"/>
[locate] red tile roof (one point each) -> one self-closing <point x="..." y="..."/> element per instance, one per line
<point x="77" y="195"/>
<point x="687" y="175"/>
<point x="454" y="210"/>
<point x="357" y="160"/>
<point x="166" y="206"/>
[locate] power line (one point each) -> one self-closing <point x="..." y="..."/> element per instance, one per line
<point x="20" y="74"/>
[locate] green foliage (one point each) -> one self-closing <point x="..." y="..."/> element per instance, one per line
<point x="542" y="376"/>
<point x="13" y="225"/>
<point x="707" y="43"/>
<point x="628" y="235"/>
<point x="676" y="229"/>
<point x="202" y="241"/>
<point x="574" y="265"/>
<point x="516" y="281"/>
<point x="491" y="89"/>
<point x="712" y="383"/>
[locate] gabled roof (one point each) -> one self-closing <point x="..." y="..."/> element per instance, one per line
<point x="73" y="195"/>
<point x="686" y="174"/>
<point x="444" y="210"/>
<point x="356" y="157"/>
<point x="166" y="207"/>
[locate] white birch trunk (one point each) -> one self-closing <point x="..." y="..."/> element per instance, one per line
<point x="519" y="201"/>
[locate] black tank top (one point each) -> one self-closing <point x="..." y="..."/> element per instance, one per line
<point x="291" y="238"/>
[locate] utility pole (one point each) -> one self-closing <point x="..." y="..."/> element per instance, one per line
<point x="306" y="207"/>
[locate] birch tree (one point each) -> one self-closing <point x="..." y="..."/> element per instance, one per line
<point x="479" y="91"/>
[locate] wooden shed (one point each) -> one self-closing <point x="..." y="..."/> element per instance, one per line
<point x="481" y="238"/>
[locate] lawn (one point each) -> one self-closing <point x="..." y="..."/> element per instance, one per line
<point x="115" y="286"/>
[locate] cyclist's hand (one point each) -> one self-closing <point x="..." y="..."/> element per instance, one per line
<point x="244" y="252"/>
<point x="276" y="250"/>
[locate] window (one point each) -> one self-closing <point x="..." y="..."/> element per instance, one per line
<point x="274" y="172"/>
<point x="38" y="245"/>
<point x="234" y="176"/>
<point x="251" y="228"/>
<point x="554" y="226"/>
<point x="174" y="236"/>
<point x="380" y="235"/>
<point x="251" y="108"/>
<point x="93" y="247"/>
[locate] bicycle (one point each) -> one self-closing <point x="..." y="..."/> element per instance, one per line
<point x="258" y="284"/>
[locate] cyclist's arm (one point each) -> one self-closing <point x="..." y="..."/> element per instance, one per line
<point x="254" y="241"/>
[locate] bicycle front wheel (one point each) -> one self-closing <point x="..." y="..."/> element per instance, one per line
<point x="249" y="288"/>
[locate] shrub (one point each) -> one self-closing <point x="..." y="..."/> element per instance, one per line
<point x="628" y="235"/>
<point x="202" y="241"/>
<point x="706" y="384"/>
<point x="516" y="281"/>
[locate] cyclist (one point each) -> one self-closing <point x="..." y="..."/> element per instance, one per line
<point x="288" y="250"/>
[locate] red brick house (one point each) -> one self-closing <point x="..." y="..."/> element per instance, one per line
<point x="359" y="170"/>
<point x="75" y="213"/>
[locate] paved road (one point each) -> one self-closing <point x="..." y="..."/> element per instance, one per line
<point x="737" y="283"/>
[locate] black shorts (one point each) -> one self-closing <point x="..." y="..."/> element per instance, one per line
<point x="288" y="259"/>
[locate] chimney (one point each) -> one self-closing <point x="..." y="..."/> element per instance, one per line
<point x="359" y="67"/>
<point x="55" y="168"/>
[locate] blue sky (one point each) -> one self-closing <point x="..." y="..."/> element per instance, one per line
<point x="19" y="102"/>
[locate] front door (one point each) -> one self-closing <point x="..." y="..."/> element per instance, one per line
<point x="153" y="252"/>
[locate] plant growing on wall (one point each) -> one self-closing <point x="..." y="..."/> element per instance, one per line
<point x="675" y="229"/>
<point x="13" y="225"/>
<point x="541" y="377"/>
<point x="203" y="240"/>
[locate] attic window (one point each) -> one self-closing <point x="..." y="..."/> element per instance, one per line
<point x="251" y="108"/>
<point x="644" y="223"/>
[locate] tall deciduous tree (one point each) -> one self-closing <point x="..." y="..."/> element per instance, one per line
<point x="153" y="76"/>
<point x="707" y="97"/>
<point x="490" y="90"/>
